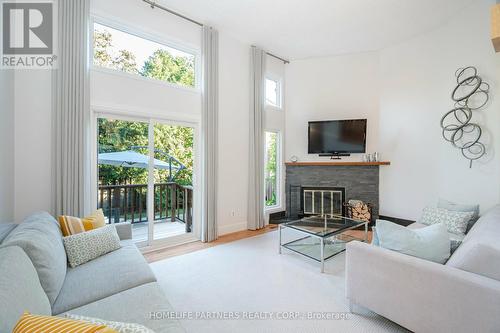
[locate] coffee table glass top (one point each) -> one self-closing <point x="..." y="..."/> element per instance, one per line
<point x="324" y="226"/>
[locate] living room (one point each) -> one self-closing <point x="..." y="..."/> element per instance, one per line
<point x="255" y="166"/>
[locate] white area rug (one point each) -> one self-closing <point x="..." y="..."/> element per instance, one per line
<point x="250" y="276"/>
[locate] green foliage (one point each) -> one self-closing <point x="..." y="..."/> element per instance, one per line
<point x="163" y="66"/>
<point x="120" y="135"/>
<point x="124" y="61"/>
<point x="271" y="164"/>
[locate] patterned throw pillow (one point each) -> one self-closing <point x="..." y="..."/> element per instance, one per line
<point x="456" y="222"/>
<point x="29" y="323"/>
<point x="90" y="245"/>
<point x="71" y="225"/>
<point x="115" y="325"/>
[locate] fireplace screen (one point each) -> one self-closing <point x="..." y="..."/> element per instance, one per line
<point x="322" y="201"/>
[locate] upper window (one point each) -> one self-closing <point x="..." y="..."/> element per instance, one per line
<point x="118" y="50"/>
<point x="273" y="92"/>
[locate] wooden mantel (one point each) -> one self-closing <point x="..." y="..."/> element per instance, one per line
<point x="345" y="163"/>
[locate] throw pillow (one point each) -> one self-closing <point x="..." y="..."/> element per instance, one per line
<point x="29" y="323"/>
<point x="429" y="243"/>
<point x="71" y="225"/>
<point x="456" y="222"/>
<point x="89" y="245"/>
<point x="117" y="326"/>
<point x="481" y="259"/>
<point x="442" y="203"/>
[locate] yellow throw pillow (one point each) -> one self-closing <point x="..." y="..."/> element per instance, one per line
<point x="94" y="221"/>
<point x="29" y="323"/>
<point x="71" y="225"/>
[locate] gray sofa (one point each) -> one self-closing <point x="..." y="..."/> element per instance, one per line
<point x="424" y="296"/>
<point x="35" y="277"/>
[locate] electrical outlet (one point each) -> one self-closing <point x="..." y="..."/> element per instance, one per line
<point x="232" y="213"/>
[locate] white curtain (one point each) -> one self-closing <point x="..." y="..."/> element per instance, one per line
<point x="256" y="218"/>
<point x="71" y="111"/>
<point x="210" y="107"/>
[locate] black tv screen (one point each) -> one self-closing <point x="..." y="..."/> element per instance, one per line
<point x="337" y="136"/>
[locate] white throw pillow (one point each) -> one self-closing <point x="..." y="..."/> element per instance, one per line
<point x="86" y="246"/>
<point x="456" y="222"/>
<point x="429" y="243"/>
<point x="115" y="325"/>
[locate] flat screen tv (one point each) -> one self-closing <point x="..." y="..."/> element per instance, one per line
<point x="337" y="136"/>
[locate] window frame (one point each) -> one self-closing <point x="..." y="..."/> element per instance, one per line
<point x="142" y="33"/>
<point x="279" y="170"/>
<point x="279" y="92"/>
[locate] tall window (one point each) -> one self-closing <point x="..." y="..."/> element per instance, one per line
<point x="273" y="92"/>
<point x="119" y="50"/>
<point x="271" y="169"/>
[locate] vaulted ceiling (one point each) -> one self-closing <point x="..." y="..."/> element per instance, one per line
<point x="299" y="29"/>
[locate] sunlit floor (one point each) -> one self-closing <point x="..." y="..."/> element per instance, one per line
<point x="162" y="229"/>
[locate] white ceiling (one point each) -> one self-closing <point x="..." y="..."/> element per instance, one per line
<point x="297" y="29"/>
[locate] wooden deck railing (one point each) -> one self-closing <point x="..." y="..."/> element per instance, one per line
<point x="128" y="203"/>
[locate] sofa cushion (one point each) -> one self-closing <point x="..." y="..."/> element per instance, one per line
<point x="118" y="326"/>
<point x="442" y="203"/>
<point x="481" y="259"/>
<point x="429" y="243"/>
<point x="89" y="245"/>
<point x="107" y="275"/>
<point x="455" y="239"/>
<point x="485" y="231"/>
<point x="145" y="305"/>
<point x="5" y="229"/>
<point x="455" y="221"/>
<point x="40" y="237"/>
<point x="20" y="289"/>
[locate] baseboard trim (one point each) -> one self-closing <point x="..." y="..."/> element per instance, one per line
<point x="396" y="220"/>
<point x="228" y="229"/>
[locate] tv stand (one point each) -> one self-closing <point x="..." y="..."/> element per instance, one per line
<point x="336" y="156"/>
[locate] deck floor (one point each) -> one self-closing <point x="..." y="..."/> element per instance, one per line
<point x="162" y="229"/>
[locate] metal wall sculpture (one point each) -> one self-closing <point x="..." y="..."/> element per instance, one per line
<point x="471" y="94"/>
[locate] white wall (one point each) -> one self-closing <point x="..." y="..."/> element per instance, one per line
<point x="417" y="78"/>
<point x="32" y="142"/>
<point x="234" y="87"/>
<point x="341" y="87"/>
<point x="7" y="145"/>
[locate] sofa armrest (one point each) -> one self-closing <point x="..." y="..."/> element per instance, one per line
<point x="124" y="230"/>
<point x="420" y="295"/>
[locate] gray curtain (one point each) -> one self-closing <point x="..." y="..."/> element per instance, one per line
<point x="256" y="171"/>
<point x="71" y="107"/>
<point x="210" y="107"/>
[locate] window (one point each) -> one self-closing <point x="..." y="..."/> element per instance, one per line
<point x="118" y="50"/>
<point x="271" y="169"/>
<point x="273" y="92"/>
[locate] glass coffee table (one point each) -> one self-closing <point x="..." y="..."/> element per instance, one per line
<point x="322" y="237"/>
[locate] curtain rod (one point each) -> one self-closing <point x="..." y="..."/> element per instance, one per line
<point x="279" y="58"/>
<point x="154" y="5"/>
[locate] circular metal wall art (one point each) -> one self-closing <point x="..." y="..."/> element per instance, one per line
<point x="470" y="94"/>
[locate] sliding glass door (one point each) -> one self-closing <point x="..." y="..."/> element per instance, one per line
<point x="145" y="177"/>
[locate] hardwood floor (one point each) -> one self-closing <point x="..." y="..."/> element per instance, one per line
<point x="197" y="246"/>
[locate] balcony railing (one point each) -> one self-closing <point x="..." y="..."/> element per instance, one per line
<point x="128" y="203"/>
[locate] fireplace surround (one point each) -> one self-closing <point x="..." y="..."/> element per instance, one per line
<point x="359" y="181"/>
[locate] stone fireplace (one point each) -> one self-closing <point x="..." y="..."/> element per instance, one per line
<point x="313" y="189"/>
